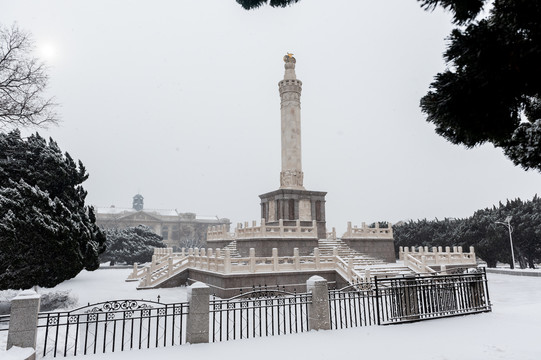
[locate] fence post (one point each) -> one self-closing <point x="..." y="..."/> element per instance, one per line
<point x="197" y="322"/>
<point x="227" y="261"/>
<point x="252" y="260"/>
<point x="297" y="260"/>
<point x="23" y="321"/>
<point x="148" y="277"/>
<point x="317" y="258"/>
<point x="318" y="310"/>
<point x="410" y="299"/>
<point x="378" y="315"/>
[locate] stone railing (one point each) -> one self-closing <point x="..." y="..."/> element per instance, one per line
<point x="420" y="259"/>
<point x="245" y="231"/>
<point x="331" y="235"/>
<point x="160" y="256"/>
<point x="280" y="230"/>
<point x="220" y="261"/>
<point x="365" y="232"/>
<point x="218" y="232"/>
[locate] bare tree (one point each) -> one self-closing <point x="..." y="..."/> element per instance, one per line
<point x="23" y="79"/>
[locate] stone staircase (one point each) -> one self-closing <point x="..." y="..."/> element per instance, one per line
<point x="232" y="246"/>
<point x="362" y="262"/>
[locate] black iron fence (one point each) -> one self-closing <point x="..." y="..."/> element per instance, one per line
<point x="111" y="326"/>
<point x="427" y="297"/>
<point x="409" y="298"/>
<point x="354" y="305"/>
<point x="131" y="324"/>
<point x="258" y="313"/>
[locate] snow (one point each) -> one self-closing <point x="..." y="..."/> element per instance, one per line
<point x="27" y="294"/>
<point x="17" y="353"/>
<point x="510" y="331"/>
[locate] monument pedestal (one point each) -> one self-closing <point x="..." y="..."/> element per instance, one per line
<point x="291" y="205"/>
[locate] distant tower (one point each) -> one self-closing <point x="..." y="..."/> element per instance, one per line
<point x="138" y="202"/>
<point x="292" y="202"/>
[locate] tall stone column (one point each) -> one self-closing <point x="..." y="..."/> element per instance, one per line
<point x="291" y="176"/>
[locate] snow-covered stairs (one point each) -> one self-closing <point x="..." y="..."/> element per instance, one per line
<point x="362" y="262"/>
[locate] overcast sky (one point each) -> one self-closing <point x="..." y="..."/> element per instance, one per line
<point x="178" y="100"/>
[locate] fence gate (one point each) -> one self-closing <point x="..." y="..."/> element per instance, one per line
<point x="353" y="305"/>
<point x="424" y="297"/>
<point x="111" y="326"/>
<point x="259" y="313"/>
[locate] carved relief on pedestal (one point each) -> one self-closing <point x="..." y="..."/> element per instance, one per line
<point x="291" y="179"/>
<point x="305" y="210"/>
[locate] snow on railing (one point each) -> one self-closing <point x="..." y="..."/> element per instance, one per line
<point x="243" y="231"/>
<point x="420" y="259"/>
<point x="365" y="232"/>
<point x="220" y="261"/>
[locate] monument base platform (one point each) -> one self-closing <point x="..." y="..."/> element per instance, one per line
<point x="295" y="204"/>
<point x="263" y="246"/>
<point x="379" y="248"/>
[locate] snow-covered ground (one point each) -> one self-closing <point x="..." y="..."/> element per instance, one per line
<point x="511" y="331"/>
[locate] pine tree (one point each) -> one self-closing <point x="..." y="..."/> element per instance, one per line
<point x="47" y="234"/>
<point x="132" y="244"/>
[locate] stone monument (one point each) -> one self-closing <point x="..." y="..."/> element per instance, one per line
<point x="292" y="202"/>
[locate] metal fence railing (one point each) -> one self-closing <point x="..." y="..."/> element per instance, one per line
<point x="427" y="297"/>
<point x="258" y="313"/>
<point x="111" y="326"/>
<point x="132" y="324"/>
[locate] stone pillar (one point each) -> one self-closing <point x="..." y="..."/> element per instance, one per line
<point x="317" y="259"/>
<point x="24" y="320"/>
<point x="227" y="261"/>
<point x="274" y="259"/>
<point x="197" y="322"/>
<point x="252" y="260"/>
<point x="291" y="176"/>
<point x="318" y="311"/>
<point x="296" y="259"/>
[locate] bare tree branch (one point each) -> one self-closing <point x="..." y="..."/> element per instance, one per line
<point x="23" y="79"/>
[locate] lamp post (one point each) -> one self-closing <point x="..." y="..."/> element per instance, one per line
<point x="510" y="228"/>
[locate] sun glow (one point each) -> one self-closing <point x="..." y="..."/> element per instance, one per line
<point x="48" y="51"/>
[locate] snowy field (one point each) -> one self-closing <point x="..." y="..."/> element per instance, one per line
<point x="511" y="331"/>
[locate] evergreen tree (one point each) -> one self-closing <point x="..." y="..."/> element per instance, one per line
<point x="47" y="234"/>
<point x="491" y="90"/>
<point x="491" y="241"/>
<point x="132" y="244"/>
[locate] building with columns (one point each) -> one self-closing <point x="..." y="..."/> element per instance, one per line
<point x="177" y="229"/>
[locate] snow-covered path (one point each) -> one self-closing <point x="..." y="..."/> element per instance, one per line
<point x="511" y="331"/>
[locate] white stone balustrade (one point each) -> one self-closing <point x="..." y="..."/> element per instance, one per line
<point x="275" y="231"/>
<point x="221" y="262"/>
<point x="365" y="232"/>
<point x="331" y="235"/>
<point x="245" y="231"/>
<point x="420" y="259"/>
<point x="218" y="233"/>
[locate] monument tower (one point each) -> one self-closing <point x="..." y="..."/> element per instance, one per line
<point x="292" y="202"/>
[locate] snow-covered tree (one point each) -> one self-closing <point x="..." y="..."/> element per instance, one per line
<point x="132" y="244"/>
<point x="47" y="234"/>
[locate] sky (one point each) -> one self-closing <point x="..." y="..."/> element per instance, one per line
<point x="178" y="101"/>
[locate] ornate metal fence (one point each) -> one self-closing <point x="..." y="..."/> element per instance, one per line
<point x="111" y="326"/>
<point x="427" y="297"/>
<point x="259" y="313"/>
<point x="352" y="306"/>
<point x="406" y="299"/>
